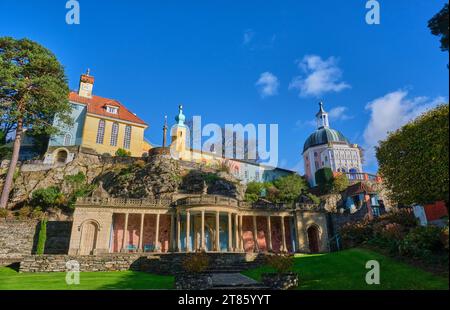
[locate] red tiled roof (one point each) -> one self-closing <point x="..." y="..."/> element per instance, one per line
<point x="97" y="105"/>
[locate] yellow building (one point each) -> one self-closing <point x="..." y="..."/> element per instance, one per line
<point x="101" y="124"/>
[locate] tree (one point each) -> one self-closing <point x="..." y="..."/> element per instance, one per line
<point x="324" y="179"/>
<point x="33" y="92"/>
<point x="438" y="25"/>
<point x="340" y="183"/>
<point x="289" y="187"/>
<point x="414" y="159"/>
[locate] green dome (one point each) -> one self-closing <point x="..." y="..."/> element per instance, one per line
<point x="324" y="136"/>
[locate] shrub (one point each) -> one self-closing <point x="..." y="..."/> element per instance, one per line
<point x="37" y="213"/>
<point x="40" y="248"/>
<point x="289" y="187"/>
<point x="4" y="213"/>
<point x="123" y="153"/>
<point x="388" y="230"/>
<point x="24" y="212"/>
<point x="354" y="234"/>
<point x="421" y="242"/>
<point x="282" y="263"/>
<point x="403" y="217"/>
<point x="139" y="163"/>
<point x="340" y="183"/>
<point x="47" y="197"/>
<point x="196" y="263"/>
<point x="444" y="237"/>
<point x="324" y="179"/>
<point x="253" y="191"/>
<point x="313" y="197"/>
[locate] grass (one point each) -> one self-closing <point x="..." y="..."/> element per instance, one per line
<point x="12" y="280"/>
<point x="346" y="270"/>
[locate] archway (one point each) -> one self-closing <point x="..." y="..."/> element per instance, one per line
<point x="313" y="239"/>
<point x="88" y="238"/>
<point x="61" y="156"/>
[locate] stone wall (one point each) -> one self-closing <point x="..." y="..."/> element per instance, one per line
<point x="17" y="239"/>
<point x="167" y="264"/>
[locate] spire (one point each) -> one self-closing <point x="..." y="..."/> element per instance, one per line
<point x="165" y="131"/>
<point x="180" y="118"/>
<point x="322" y="117"/>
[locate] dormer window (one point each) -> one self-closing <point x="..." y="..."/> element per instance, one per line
<point x="112" y="110"/>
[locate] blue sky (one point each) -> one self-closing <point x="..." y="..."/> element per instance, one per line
<point x="210" y="55"/>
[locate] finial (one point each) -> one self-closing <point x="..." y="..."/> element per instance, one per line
<point x="88" y="71"/>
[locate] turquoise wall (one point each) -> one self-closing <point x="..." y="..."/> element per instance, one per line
<point x="76" y="131"/>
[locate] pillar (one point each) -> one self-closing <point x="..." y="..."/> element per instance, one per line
<point x="203" y="247"/>
<point x="283" y="231"/>
<point x="188" y="231"/>
<point x="218" y="231"/>
<point x="241" y="237"/>
<point x="141" y="233"/>
<point x="294" y="220"/>
<point x="230" y="233"/>
<point x="172" y="233"/>
<point x="236" y="232"/>
<point x="157" y="245"/>
<point x="269" y="234"/>
<point x="255" y="234"/>
<point x="125" y="233"/>
<point x="178" y="232"/>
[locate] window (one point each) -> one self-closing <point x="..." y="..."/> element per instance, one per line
<point x="100" y="132"/>
<point x="112" y="110"/>
<point x="257" y="176"/>
<point x="127" y="138"/>
<point x="67" y="139"/>
<point x="114" y="134"/>
<point x="246" y="174"/>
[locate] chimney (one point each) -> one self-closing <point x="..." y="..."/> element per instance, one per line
<point x="86" y="85"/>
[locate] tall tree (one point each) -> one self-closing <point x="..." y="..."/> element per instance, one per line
<point x="438" y="25"/>
<point x="414" y="160"/>
<point x="33" y="91"/>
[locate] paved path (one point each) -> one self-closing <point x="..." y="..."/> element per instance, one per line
<point x="232" y="279"/>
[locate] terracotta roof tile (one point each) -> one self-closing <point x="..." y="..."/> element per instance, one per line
<point x="97" y="105"/>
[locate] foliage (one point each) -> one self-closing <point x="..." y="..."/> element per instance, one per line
<point x="282" y="263"/>
<point x="140" y="164"/>
<point x="253" y="191"/>
<point x="340" y="183"/>
<point x="289" y="187"/>
<point x="40" y="248"/>
<point x="324" y="179"/>
<point x="313" y="197"/>
<point x="79" y="187"/>
<point x="123" y="153"/>
<point x="196" y="263"/>
<point x="5" y="152"/>
<point x="47" y="197"/>
<point x="421" y="242"/>
<point x="354" y="234"/>
<point x="33" y="93"/>
<point x="4" y="213"/>
<point x="24" y="212"/>
<point x="438" y="25"/>
<point x="37" y="213"/>
<point x="414" y="160"/>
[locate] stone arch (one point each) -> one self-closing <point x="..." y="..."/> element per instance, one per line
<point x="61" y="155"/>
<point x="88" y="239"/>
<point x="313" y="233"/>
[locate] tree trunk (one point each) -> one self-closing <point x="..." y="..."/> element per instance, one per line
<point x="12" y="166"/>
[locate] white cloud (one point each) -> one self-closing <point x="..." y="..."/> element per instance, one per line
<point x="248" y="36"/>
<point x="267" y="84"/>
<point x="339" y="113"/>
<point x="389" y="113"/>
<point x="320" y="76"/>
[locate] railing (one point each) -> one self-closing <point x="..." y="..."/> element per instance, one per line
<point x="207" y="200"/>
<point x="362" y="176"/>
<point x="123" y="202"/>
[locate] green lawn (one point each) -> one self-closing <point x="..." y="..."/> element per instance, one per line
<point x="346" y="270"/>
<point x="12" y="280"/>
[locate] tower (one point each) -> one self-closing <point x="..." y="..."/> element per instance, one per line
<point x="322" y="117"/>
<point x="178" y="132"/>
<point x="165" y="132"/>
<point x="86" y="85"/>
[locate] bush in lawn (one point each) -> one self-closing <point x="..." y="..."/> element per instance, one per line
<point x="354" y="234"/>
<point x="42" y="237"/>
<point x="422" y="242"/>
<point x="282" y="263"/>
<point x="196" y="263"/>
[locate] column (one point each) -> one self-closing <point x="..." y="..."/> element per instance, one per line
<point x="203" y="244"/>
<point x="125" y="233"/>
<point x="218" y="231"/>
<point x="188" y="231"/>
<point x="172" y="233"/>
<point x="141" y="233"/>
<point x="230" y="233"/>
<point x="241" y="234"/>
<point x="255" y="234"/>
<point x="236" y="233"/>
<point x="178" y="232"/>
<point x="283" y="231"/>
<point x="294" y="220"/>
<point x="157" y="245"/>
<point x="269" y="234"/>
